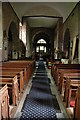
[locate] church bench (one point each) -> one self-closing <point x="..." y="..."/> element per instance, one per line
<point x="77" y="105"/>
<point x="56" y="67"/>
<point x="16" y="69"/>
<point x="23" y="62"/>
<point x="62" y="71"/>
<point x="74" y="112"/>
<point x="5" y="71"/>
<point x="28" y="69"/>
<point x="19" y="64"/>
<point x="61" y="79"/>
<point x="70" y="90"/>
<point x="66" y="70"/>
<point x="12" y="84"/>
<point x="4" y="102"/>
<point x="74" y="73"/>
<point x="29" y="63"/>
<point x="66" y="66"/>
<point x="63" y="68"/>
<point x="11" y="73"/>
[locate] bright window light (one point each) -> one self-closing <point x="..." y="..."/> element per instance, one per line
<point x="37" y="49"/>
<point x="41" y="47"/>
<point x="41" y="41"/>
<point x="45" y="49"/>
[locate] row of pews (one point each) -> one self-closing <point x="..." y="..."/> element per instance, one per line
<point x="14" y="76"/>
<point x="67" y="79"/>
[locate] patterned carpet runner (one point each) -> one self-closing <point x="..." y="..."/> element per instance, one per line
<point x="39" y="104"/>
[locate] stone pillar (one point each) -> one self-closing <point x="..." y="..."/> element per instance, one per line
<point x="28" y="43"/>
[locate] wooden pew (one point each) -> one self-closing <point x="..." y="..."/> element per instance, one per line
<point x="12" y="84"/>
<point x="77" y="105"/>
<point x="65" y="69"/>
<point x="71" y="71"/>
<point x="4" y="102"/>
<point x="21" y="64"/>
<point x="11" y="73"/>
<point x="24" y="62"/>
<point x="69" y="66"/>
<point x="60" y="73"/>
<point x="21" y="70"/>
<point x="9" y="68"/>
<point x="17" y="63"/>
<point x="56" y="67"/>
<point x="8" y="71"/>
<point x="29" y="67"/>
<point x="71" y="86"/>
<point x="72" y="74"/>
<point x="57" y="71"/>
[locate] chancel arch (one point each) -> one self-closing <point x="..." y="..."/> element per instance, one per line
<point x="41" y="43"/>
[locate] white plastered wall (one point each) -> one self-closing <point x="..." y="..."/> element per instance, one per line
<point x="79" y="50"/>
<point x="1" y="35"/>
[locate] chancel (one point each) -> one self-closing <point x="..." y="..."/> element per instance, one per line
<point x="39" y="60"/>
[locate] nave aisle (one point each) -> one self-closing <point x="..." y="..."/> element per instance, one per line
<point x="41" y="102"/>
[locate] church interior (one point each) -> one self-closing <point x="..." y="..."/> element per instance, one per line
<point x="39" y="60"/>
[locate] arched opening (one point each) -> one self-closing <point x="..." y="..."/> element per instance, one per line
<point x="66" y="44"/>
<point x="13" y="42"/>
<point x="41" y="44"/>
<point x="9" y="44"/>
<point x="41" y="47"/>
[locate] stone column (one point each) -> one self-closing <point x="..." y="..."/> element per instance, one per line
<point x="28" y="42"/>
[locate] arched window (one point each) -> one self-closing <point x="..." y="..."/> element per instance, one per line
<point x="41" y="47"/>
<point x="42" y="41"/>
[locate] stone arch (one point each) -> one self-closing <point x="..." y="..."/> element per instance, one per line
<point x="66" y="43"/>
<point x="42" y="35"/>
<point x="13" y="41"/>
